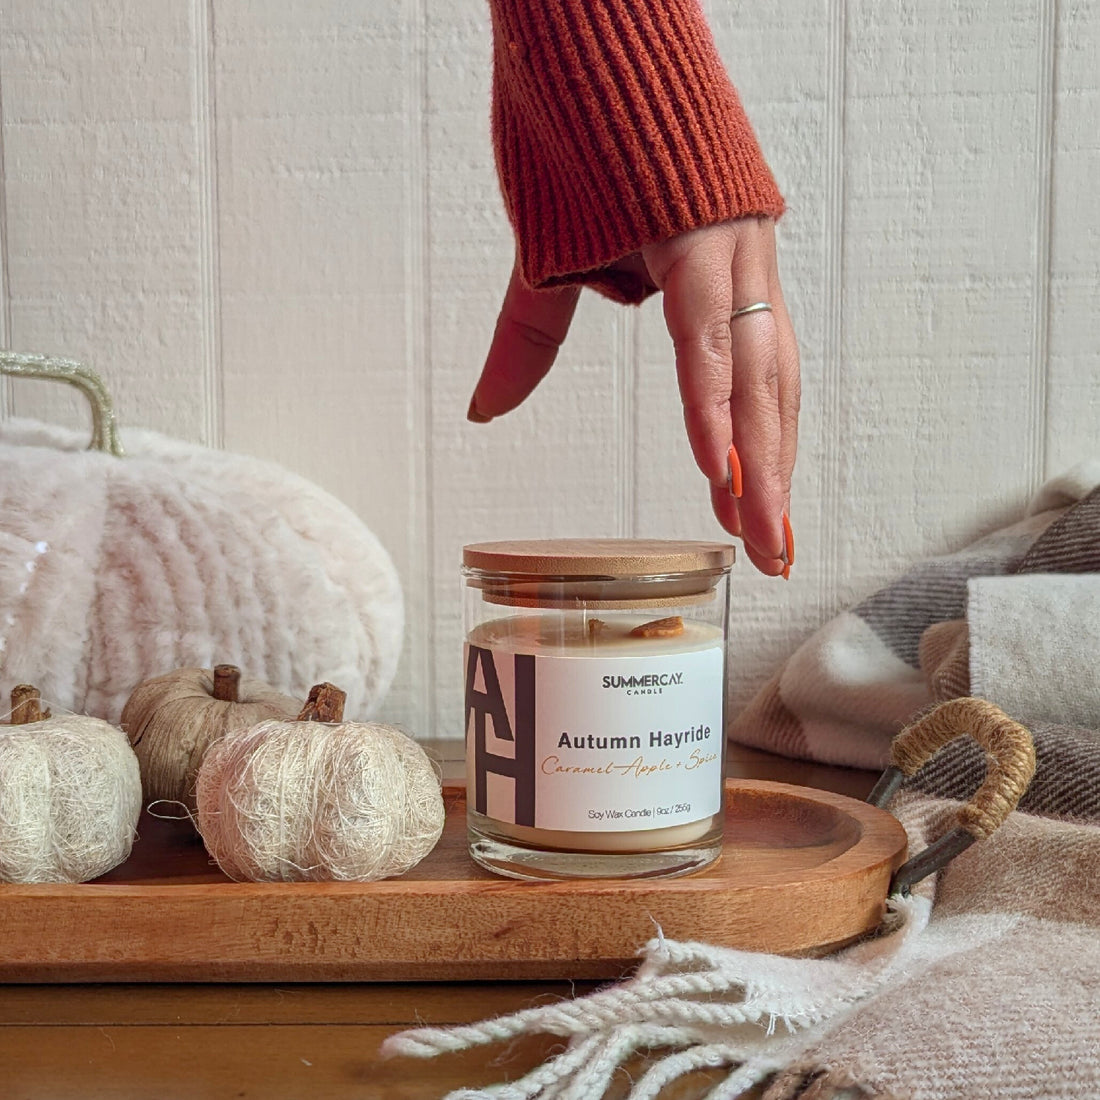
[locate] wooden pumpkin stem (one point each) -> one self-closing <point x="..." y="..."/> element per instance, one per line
<point x="26" y="705"/>
<point x="227" y="683"/>
<point x="325" y="704"/>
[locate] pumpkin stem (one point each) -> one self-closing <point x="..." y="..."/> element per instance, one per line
<point x="227" y="683"/>
<point x="26" y="705"/>
<point x="325" y="704"/>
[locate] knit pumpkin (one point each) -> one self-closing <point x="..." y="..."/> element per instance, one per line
<point x="70" y="795"/>
<point x="171" y="720"/>
<point x="114" y="568"/>
<point x="318" y="798"/>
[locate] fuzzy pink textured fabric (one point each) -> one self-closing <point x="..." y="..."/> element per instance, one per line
<point x="114" y="570"/>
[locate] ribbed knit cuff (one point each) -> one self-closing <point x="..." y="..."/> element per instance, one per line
<point x="615" y="126"/>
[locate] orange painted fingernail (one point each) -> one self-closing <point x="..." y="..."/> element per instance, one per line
<point x="474" y="414"/>
<point x="786" y="574"/>
<point x="733" y="477"/>
<point x="788" y="544"/>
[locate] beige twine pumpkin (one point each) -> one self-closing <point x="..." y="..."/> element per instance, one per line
<point x="318" y="799"/>
<point x="172" y="719"/>
<point x="70" y="795"/>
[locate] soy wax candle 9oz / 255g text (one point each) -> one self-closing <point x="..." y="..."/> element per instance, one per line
<point x="595" y="673"/>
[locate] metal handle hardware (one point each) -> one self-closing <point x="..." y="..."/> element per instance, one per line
<point x="104" y="426"/>
<point x="1010" y="756"/>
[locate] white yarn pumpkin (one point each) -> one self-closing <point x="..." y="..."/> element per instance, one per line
<point x="318" y="799"/>
<point x="113" y="569"/>
<point x="70" y="795"/>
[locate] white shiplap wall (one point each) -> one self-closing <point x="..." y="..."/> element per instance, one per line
<point x="247" y="213"/>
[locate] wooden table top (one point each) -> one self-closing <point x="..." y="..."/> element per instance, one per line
<point x="298" y="1042"/>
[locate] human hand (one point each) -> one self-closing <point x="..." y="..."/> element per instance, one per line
<point x="738" y="378"/>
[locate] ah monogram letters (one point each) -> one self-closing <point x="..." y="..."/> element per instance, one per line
<point x="518" y="727"/>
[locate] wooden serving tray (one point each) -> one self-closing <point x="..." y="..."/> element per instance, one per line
<point x="802" y="871"/>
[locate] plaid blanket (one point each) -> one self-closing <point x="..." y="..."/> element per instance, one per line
<point x="1014" y="618"/>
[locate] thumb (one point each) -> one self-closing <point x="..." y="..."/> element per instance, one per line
<point x="530" y="329"/>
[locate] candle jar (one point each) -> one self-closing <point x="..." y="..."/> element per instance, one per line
<point x="595" y="676"/>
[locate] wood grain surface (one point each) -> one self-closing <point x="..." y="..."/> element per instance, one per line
<point x="801" y="871"/>
<point x="229" y="1042"/>
<point x="279" y="1041"/>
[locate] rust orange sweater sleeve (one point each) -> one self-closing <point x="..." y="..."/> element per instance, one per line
<point x="614" y="126"/>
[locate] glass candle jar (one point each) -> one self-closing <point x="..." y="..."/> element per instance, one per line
<point x="595" y="674"/>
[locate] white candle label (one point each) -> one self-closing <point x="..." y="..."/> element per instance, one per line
<point x="594" y="744"/>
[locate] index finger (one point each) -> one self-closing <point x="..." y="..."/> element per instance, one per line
<point x="529" y="331"/>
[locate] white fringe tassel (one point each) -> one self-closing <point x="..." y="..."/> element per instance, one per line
<point x="710" y="1007"/>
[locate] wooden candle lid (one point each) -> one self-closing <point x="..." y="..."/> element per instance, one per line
<point x="596" y="572"/>
<point x="598" y="557"/>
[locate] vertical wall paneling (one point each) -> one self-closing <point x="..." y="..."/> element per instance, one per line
<point x="276" y="227"/>
<point x="6" y="337"/>
<point x="206" y="153"/>
<point x="102" y="199"/>
<point x="939" y="278"/>
<point x="418" y="664"/>
<point x="469" y="260"/>
<point x="1073" y="406"/>
<point x="797" y="110"/>
<point x="311" y="180"/>
<point x="1040" y="341"/>
<point x="548" y="468"/>
<point x="625" y="397"/>
<point x="832" y="352"/>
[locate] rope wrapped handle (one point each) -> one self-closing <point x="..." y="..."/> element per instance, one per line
<point x="1010" y="764"/>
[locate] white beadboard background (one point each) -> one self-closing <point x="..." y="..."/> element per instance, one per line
<point x="274" y="227"/>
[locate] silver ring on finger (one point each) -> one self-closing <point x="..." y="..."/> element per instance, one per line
<point x="756" y="307"/>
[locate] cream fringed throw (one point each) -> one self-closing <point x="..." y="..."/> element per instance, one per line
<point x="994" y="994"/>
<point x="988" y="984"/>
<point x="1005" y="1000"/>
